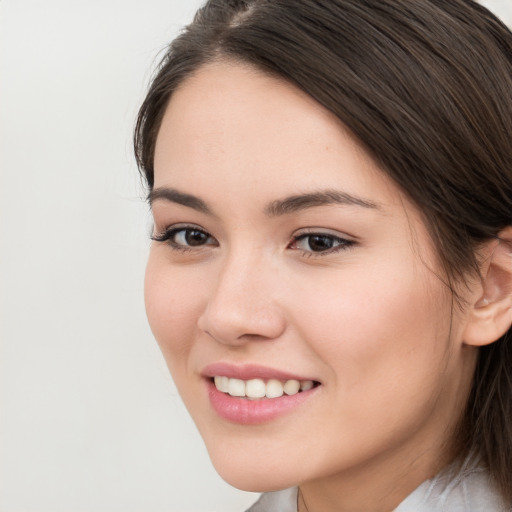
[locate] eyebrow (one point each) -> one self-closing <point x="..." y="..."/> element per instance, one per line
<point x="276" y="208"/>
<point x="174" y="196"/>
<point x="301" y="202"/>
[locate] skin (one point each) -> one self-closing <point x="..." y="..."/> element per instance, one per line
<point x="371" y="322"/>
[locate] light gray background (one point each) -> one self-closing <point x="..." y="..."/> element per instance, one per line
<point x="89" y="418"/>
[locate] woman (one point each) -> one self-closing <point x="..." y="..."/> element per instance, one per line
<point x="330" y="280"/>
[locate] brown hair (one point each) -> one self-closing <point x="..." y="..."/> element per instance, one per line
<point x="426" y="87"/>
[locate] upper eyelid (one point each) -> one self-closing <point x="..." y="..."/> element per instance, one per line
<point x="177" y="227"/>
<point x="324" y="232"/>
<point x="183" y="225"/>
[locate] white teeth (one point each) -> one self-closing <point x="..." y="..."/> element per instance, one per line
<point x="236" y="387"/>
<point x="255" y="388"/>
<point x="274" y="389"/>
<point x="305" y="385"/>
<point x="222" y="384"/>
<point x="291" y="387"/>
<point x="258" y="388"/>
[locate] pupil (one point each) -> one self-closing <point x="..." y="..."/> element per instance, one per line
<point x="195" y="237"/>
<point x="320" y="243"/>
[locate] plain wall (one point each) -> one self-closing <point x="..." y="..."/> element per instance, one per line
<point x="90" y="420"/>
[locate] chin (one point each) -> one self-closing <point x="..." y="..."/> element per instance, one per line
<point x="254" y="481"/>
<point x="251" y="474"/>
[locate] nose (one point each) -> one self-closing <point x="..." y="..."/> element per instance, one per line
<point x="243" y="303"/>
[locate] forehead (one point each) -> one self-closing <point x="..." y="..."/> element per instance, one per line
<point x="232" y="128"/>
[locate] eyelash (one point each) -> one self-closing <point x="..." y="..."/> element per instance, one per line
<point x="168" y="234"/>
<point x="343" y="243"/>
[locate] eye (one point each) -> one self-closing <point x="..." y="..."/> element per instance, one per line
<point x="190" y="237"/>
<point x="320" y="243"/>
<point x="185" y="237"/>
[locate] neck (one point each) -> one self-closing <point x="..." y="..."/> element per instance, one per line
<point x="378" y="486"/>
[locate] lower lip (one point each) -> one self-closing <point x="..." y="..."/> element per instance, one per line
<point x="253" y="412"/>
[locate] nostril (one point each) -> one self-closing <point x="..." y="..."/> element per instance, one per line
<point x="238" y="331"/>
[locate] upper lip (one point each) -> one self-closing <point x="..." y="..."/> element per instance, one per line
<point x="249" y="371"/>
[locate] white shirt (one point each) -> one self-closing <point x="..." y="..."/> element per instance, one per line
<point x="469" y="491"/>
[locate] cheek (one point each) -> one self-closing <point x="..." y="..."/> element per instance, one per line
<point x="378" y="327"/>
<point x="173" y="305"/>
<point x="383" y="343"/>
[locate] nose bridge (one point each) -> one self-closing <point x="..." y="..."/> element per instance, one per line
<point x="243" y="303"/>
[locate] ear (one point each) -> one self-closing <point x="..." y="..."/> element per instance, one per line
<point x="490" y="316"/>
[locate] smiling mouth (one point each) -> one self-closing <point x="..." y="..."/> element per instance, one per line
<point x="258" y="389"/>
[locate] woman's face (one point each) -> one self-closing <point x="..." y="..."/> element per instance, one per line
<point x="284" y="256"/>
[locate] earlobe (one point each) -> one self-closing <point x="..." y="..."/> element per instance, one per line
<point x="491" y="314"/>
